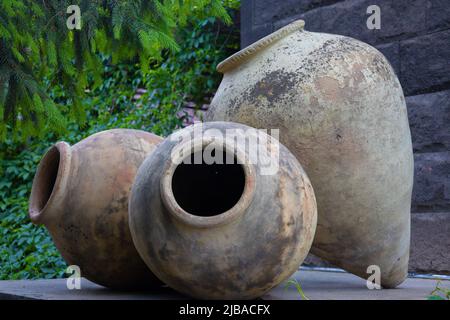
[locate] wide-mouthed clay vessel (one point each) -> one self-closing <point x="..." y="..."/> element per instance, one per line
<point x="233" y="223"/>
<point x="341" y="111"/>
<point x="80" y="194"/>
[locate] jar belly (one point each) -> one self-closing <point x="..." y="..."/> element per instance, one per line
<point x="85" y="209"/>
<point x="341" y="111"/>
<point x="240" y="253"/>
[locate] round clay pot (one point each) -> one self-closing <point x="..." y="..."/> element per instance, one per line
<point x="217" y="229"/>
<point x="341" y="111"/>
<point x="80" y="194"/>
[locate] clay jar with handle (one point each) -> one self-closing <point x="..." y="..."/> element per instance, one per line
<point x="341" y="111"/>
<point x="80" y="194"/>
<point x="213" y="220"/>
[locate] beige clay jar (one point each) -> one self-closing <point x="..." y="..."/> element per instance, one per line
<point x="341" y="111"/>
<point x="221" y="229"/>
<point x="80" y="194"/>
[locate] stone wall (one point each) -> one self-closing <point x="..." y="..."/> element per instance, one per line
<point x="415" y="38"/>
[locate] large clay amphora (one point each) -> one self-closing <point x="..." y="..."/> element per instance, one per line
<point x="216" y="218"/>
<point x="80" y="194"/>
<point x="341" y="111"/>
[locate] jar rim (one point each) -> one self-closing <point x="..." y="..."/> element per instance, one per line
<point x="44" y="193"/>
<point x="239" y="57"/>
<point x="231" y="214"/>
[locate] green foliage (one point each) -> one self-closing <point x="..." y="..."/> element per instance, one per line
<point x="297" y="286"/>
<point x="38" y="51"/>
<point x="187" y="75"/>
<point x="26" y="251"/>
<point x="440" y="292"/>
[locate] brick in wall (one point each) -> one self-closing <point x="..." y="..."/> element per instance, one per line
<point x="429" y="120"/>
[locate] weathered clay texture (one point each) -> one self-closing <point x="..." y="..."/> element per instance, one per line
<point x="341" y="110"/>
<point x="240" y="253"/>
<point x="80" y="194"/>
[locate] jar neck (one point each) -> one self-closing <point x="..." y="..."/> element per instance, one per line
<point x="50" y="183"/>
<point x="245" y="54"/>
<point x="178" y="174"/>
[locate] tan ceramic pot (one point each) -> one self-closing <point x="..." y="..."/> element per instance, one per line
<point x="80" y="194"/>
<point x="341" y="111"/>
<point x="217" y="229"/>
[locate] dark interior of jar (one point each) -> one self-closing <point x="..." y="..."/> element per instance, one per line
<point x="45" y="179"/>
<point x="203" y="189"/>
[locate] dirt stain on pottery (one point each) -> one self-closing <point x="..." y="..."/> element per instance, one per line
<point x="273" y="86"/>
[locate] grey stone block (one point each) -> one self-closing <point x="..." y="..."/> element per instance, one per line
<point x="400" y="19"/>
<point x="266" y="11"/>
<point x="438" y="15"/>
<point x="312" y="20"/>
<point x="272" y="11"/>
<point x="425" y="63"/>
<point x="431" y="192"/>
<point x="429" y="119"/>
<point x="349" y="19"/>
<point x="256" y="33"/>
<point x="430" y="243"/>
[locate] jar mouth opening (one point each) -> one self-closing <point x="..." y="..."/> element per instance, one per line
<point x="243" y="55"/>
<point x="48" y="179"/>
<point x="208" y="185"/>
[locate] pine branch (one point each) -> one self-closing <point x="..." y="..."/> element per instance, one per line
<point x="36" y="46"/>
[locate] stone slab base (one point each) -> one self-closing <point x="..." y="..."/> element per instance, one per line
<point x="317" y="285"/>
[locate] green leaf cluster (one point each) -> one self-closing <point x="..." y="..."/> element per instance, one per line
<point x="38" y="51"/>
<point x="26" y="251"/>
<point x="186" y="76"/>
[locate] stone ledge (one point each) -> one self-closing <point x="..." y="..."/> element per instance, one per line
<point x="317" y="285"/>
<point x="56" y="289"/>
<point x="324" y="285"/>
